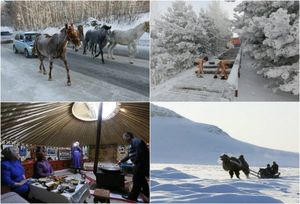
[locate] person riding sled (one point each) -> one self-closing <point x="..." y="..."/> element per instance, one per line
<point x="274" y="168"/>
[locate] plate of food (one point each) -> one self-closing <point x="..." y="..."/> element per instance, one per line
<point x="44" y="180"/>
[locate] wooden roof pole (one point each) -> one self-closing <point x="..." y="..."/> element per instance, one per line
<point x="98" y="137"/>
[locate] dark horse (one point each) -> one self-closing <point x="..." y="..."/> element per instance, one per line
<point x="80" y="31"/>
<point x="55" y="46"/>
<point x="94" y="38"/>
<point x="235" y="165"/>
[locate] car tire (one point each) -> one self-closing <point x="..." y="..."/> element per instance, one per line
<point x="15" y="50"/>
<point x="26" y="53"/>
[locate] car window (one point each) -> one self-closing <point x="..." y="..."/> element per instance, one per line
<point x="5" y="33"/>
<point x="30" y="37"/>
<point x="21" y="37"/>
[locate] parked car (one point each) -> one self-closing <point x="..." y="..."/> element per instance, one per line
<point x="6" y="37"/>
<point x="24" y="43"/>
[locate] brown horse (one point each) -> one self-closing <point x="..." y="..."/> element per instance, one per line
<point x="55" y="47"/>
<point x="235" y="165"/>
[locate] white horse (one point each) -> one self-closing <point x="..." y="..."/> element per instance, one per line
<point x="128" y="37"/>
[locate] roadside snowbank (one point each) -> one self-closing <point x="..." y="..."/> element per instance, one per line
<point x="124" y="24"/>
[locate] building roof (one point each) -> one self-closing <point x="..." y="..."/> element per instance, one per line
<point x="53" y="124"/>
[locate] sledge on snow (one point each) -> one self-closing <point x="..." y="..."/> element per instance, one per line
<point x="234" y="165"/>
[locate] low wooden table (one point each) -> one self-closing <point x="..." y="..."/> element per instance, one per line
<point x="41" y="193"/>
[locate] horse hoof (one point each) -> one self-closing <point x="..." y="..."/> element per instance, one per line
<point x="49" y="79"/>
<point x="113" y="58"/>
<point x="131" y="62"/>
<point x="68" y="83"/>
<point x="45" y="73"/>
<point x="223" y="78"/>
<point x="215" y="77"/>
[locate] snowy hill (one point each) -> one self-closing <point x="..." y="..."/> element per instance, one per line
<point x="175" y="139"/>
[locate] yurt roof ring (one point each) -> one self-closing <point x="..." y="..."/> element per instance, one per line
<point x="88" y="111"/>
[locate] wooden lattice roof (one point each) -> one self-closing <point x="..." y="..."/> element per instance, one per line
<point x="53" y="124"/>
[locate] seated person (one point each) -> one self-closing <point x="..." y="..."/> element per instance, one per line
<point x="274" y="168"/>
<point x="269" y="170"/>
<point x="42" y="167"/>
<point x="12" y="172"/>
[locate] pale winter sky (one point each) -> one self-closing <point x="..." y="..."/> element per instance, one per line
<point x="273" y="125"/>
<point x="160" y="7"/>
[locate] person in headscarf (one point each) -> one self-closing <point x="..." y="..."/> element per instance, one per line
<point x="139" y="155"/>
<point x="76" y="157"/>
<point x="13" y="173"/>
<point x="42" y="167"/>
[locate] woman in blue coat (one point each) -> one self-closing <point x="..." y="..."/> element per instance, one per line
<point x="76" y="157"/>
<point x="12" y="172"/>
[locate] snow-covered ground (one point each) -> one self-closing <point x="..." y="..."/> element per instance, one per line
<point x="186" y="86"/>
<point x="204" y="142"/>
<point x="253" y="87"/>
<point x="211" y="184"/>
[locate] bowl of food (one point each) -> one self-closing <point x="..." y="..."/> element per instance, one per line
<point x="74" y="182"/>
<point x="71" y="189"/>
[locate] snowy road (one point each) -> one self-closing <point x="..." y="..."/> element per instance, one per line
<point x="185" y="86"/>
<point x="253" y="87"/>
<point x="178" y="183"/>
<point x="116" y="80"/>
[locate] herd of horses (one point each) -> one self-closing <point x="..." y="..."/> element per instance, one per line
<point x="55" y="46"/>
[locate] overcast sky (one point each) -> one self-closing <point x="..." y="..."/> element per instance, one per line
<point x="273" y="125"/>
<point x="160" y="7"/>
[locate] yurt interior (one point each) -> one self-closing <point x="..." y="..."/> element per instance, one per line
<point x="74" y="152"/>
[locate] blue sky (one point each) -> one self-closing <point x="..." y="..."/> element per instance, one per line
<point x="273" y="125"/>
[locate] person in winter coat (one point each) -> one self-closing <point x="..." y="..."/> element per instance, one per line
<point x="76" y="157"/>
<point x="13" y="173"/>
<point x="139" y="155"/>
<point x="274" y="168"/>
<point x="269" y="170"/>
<point x="42" y="167"/>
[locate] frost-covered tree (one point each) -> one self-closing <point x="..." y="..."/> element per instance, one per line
<point x="221" y="23"/>
<point x="270" y="34"/>
<point x="212" y="33"/>
<point x="178" y="37"/>
<point x="175" y="38"/>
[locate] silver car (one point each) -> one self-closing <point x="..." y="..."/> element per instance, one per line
<point x="24" y="43"/>
<point x="6" y="37"/>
